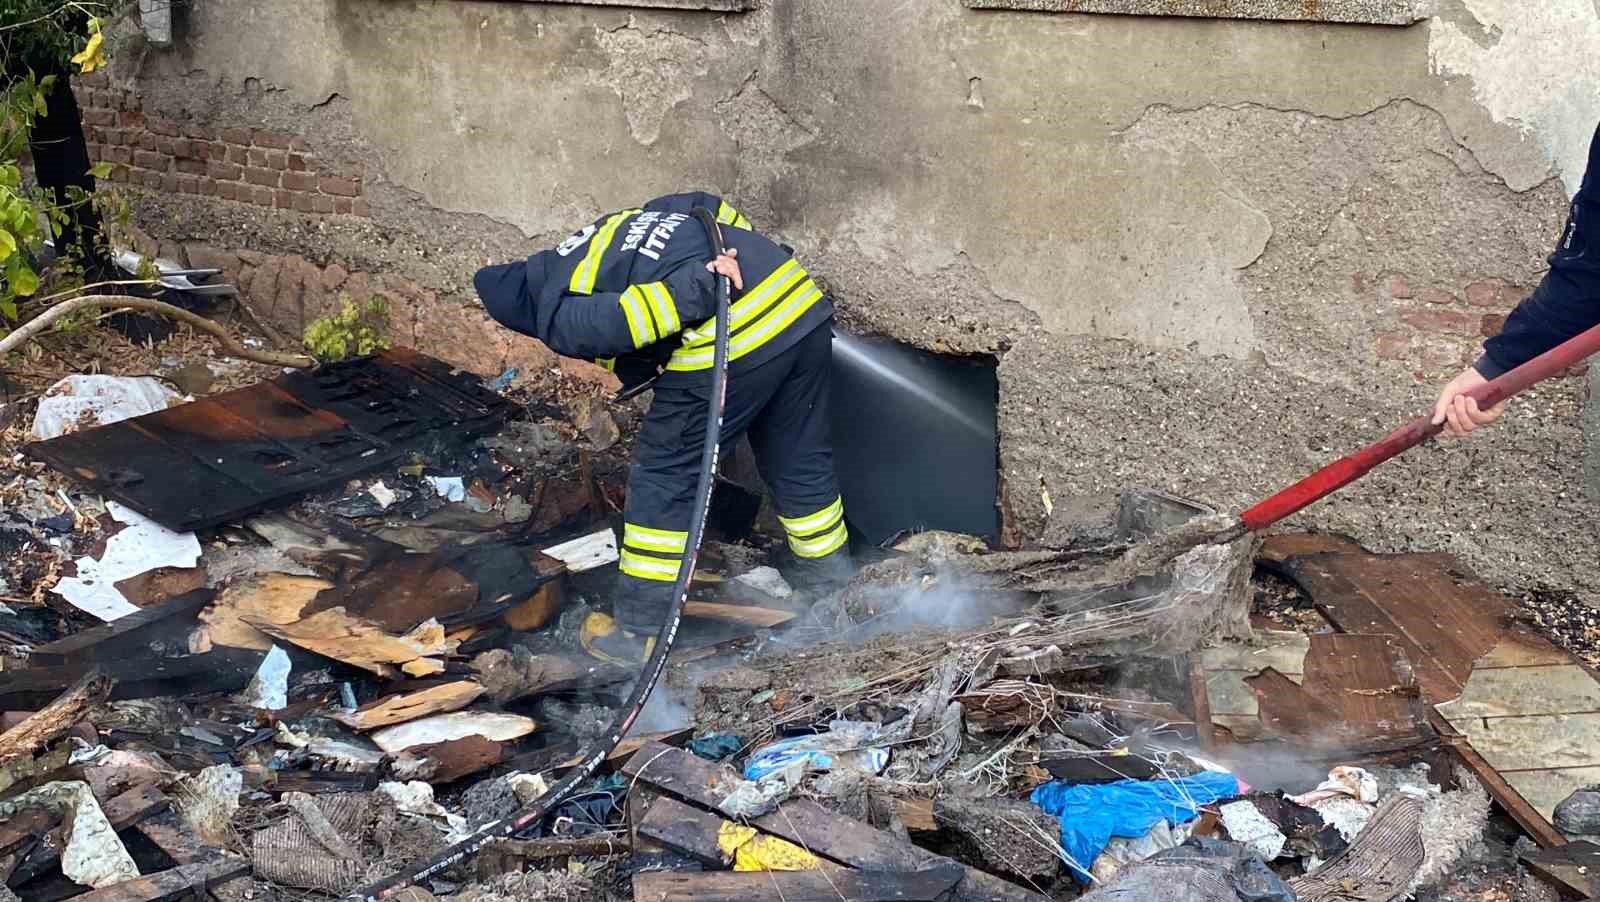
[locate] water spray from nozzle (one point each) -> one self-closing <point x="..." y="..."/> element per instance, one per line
<point x="862" y="356"/>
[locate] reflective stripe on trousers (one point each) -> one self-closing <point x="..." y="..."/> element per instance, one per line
<point x="819" y="533"/>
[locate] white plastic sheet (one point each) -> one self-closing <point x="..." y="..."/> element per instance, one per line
<point x="82" y="401"/>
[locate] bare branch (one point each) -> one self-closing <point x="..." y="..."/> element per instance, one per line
<point x="32" y="328"/>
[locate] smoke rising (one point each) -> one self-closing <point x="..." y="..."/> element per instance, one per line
<point x="664" y="710"/>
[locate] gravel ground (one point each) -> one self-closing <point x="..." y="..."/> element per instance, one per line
<point x="1566" y="619"/>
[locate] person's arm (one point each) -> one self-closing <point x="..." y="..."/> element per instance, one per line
<point x="610" y="324"/>
<point x="1566" y="303"/>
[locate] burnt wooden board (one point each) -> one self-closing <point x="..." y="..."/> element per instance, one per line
<point x="1573" y="869"/>
<point x="53" y="721"/>
<point x="797" y="886"/>
<point x="1290" y="708"/>
<point x="175" y="839"/>
<point x="1279" y="548"/>
<point x="1441" y="618"/>
<point x="744" y="614"/>
<point x="1369" y="681"/>
<point x="179" y="882"/>
<point x="215" y="460"/>
<point x="682" y="828"/>
<point x="137" y="676"/>
<point x="809" y="825"/>
<point x="136" y="630"/>
<point x="1200" y="705"/>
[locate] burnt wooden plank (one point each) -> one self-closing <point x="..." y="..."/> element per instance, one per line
<point x="807" y="824"/>
<point x="1200" y="705"/>
<point x="797" y="886"/>
<point x="1573" y="869"/>
<point x="1359" y="595"/>
<point x="172" y="837"/>
<point x="1288" y="708"/>
<point x="136" y="676"/>
<point x="1278" y="549"/>
<point x="1442" y="619"/>
<point x="743" y="614"/>
<point x="176" y="883"/>
<point x="314" y="782"/>
<point x="1370" y="682"/>
<point x="692" y="831"/>
<point x="218" y="459"/>
<point x="52" y="722"/>
<point x="118" y="636"/>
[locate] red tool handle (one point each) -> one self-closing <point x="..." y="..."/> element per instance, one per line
<point x="1346" y="470"/>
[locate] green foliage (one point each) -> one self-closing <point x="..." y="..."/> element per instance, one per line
<point x="35" y="35"/>
<point x="352" y="332"/>
<point x="20" y="103"/>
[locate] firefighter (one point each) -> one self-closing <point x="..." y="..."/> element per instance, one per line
<point x="635" y="291"/>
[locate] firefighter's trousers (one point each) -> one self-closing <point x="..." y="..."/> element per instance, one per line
<point x="783" y="405"/>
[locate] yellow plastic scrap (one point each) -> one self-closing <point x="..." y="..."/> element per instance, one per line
<point x="752" y="850"/>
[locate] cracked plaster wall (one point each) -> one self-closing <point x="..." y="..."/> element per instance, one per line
<point x="1233" y="199"/>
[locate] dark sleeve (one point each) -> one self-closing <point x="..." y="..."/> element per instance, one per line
<point x="1558" y="309"/>
<point x="1567" y="300"/>
<point x="609" y="324"/>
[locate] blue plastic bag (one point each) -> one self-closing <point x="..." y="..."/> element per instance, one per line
<point x="1092" y="813"/>
<point x="847" y="744"/>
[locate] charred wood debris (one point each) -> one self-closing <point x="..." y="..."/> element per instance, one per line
<point x="282" y="641"/>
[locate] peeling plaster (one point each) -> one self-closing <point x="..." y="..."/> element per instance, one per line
<point x="1541" y="73"/>
<point x="651" y="72"/>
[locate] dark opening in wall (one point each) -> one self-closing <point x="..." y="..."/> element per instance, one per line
<point x="915" y="439"/>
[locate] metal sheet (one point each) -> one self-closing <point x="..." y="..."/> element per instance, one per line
<point x="218" y="459"/>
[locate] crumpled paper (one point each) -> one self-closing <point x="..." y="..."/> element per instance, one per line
<point x="416" y="798"/>
<point x="94" y="856"/>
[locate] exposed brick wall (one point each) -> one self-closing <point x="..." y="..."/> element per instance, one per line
<point x="246" y="165"/>
<point x="289" y="291"/>
<point x="1440" y="329"/>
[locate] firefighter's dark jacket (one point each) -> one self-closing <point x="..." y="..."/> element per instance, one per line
<point x="1567" y="300"/>
<point x="632" y="292"/>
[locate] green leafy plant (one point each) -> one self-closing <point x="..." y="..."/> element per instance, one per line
<point x="354" y="331"/>
<point x="48" y="35"/>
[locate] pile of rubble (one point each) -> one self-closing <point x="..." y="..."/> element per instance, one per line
<point x="288" y="640"/>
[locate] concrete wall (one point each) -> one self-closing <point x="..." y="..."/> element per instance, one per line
<point x="1210" y="253"/>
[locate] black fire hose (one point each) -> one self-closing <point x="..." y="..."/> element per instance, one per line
<point x="541" y="807"/>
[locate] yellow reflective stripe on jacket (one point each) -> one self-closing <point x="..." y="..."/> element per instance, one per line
<point x="751" y="305"/>
<point x="634" y="308"/>
<point x="583" y="277"/>
<point x="660" y="300"/>
<point x="739" y="222"/>
<point x="764" y="329"/>
<point x="645" y="567"/>
<point x="609" y="363"/>
<point x="647" y="539"/>
<point x="811" y="523"/>
<point x="727" y="215"/>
